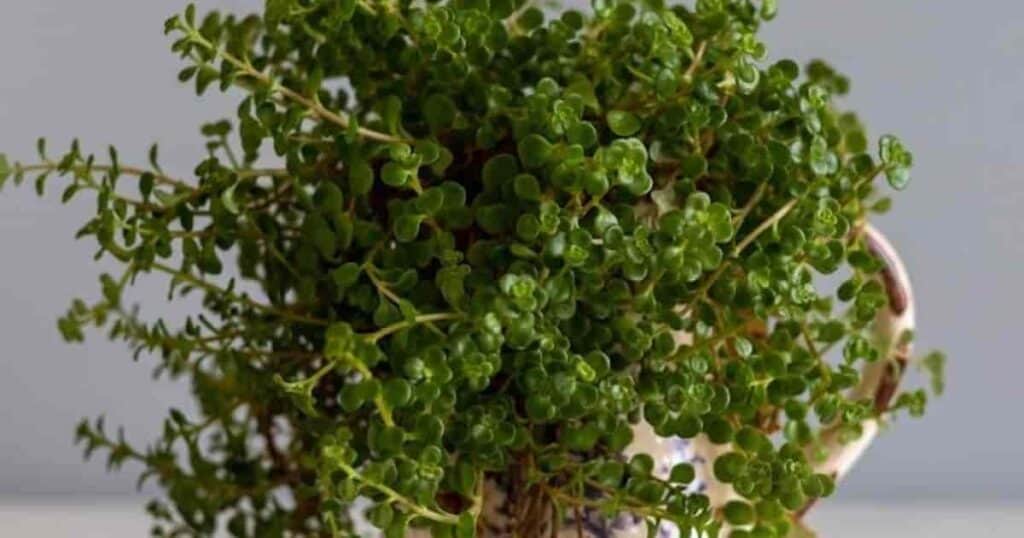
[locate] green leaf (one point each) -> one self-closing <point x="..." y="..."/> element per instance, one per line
<point x="641" y="465"/>
<point x="339" y="339"/>
<point x="346" y="275"/>
<point x="397" y="392"/>
<point x="889" y="149"/>
<point x="360" y="177"/>
<point x="300" y="392"/>
<point x="451" y="281"/>
<point x="623" y="123"/>
<point x="69" y="193"/>
<point x="738" y="513"/>
<point x="822" y="160"/>
<point x="534" y="151"/>
<point x="187" y="73"/>
<point x="407" y="227"/>
<point x="499" y="170"/>
<point x="381" y="515"/>
<point x="582" y="133"/>
<point x="146" y="181"/>
<point x="430" y="201"/>
<point x="395" y="175"/>
<point x="682" y="473"/>
<point x="531" y="18"/>
<point x="428" y="150"/>
<point x="40" y="183"/>
<point x="693" y="166"/>
<point x="252" y="134"/>
<point x="329" y="198"/>
<point x="667" y="83"/>
<point x="276" y="10"/>
<point x="934" y="364"/>
<point x="494" y="218"/>
<point x="227" y="198"/>
<point x="354" y="396"/>
<point x="154" y="156"/>
<point x="454" y="195"/>
<point x="391" y="113"/>
<point x="720" y="222"/>
<point x="729" y="466"/>
<point x="5" y="169"/>
<point x="398" y="528"/>
<point x="388" y="440"/>
<point x="204" y="77"/>
<point x="527" y="188"/>
<point x="439" y="111"/>
<point x="898" y="177"/>
<point x="897" y="161"/>
<point x="318" y="233"/>
<point x="466" y="527"/>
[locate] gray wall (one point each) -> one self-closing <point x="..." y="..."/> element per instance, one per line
<point x="946" y="75"/>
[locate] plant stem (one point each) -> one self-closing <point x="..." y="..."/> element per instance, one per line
<point x="425" y="318"/>
<point x="593" y="503"/>
<point x="744" y="243"/>
<point x="512" y="21"/>
<point x="229" y="153"/>
<point x="690" y="71"/>
<point x="392" y="495"/>
<point x="749" y="206"/>
<point x="158" y="177"/>
<point x="130" y="170"/>
<point x="378" y="400"/>
<point x="212" y="288"/>
<point x="371" y="271"/>
<point x="761" y="228"/>
<point x="312" y="105"/>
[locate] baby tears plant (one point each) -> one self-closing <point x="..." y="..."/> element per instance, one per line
<point x="444" y="242"/>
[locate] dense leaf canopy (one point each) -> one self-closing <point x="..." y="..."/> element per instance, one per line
<point x="440" y="241"/>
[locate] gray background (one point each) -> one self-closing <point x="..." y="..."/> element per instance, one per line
<point x="946" y="75"/>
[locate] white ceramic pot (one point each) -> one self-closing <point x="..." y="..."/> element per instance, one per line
<point x="880" y="380"/>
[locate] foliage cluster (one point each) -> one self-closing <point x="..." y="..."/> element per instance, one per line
<point x="441" y="241"/>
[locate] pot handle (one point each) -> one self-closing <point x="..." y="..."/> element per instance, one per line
<point x="880" y="379"/>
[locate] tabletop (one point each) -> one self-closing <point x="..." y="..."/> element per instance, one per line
<point x="114" y="517"/>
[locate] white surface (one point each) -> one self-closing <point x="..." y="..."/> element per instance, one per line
<point x="111" y="517"/>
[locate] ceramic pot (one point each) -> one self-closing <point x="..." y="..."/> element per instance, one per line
<point x="879" y="382"/>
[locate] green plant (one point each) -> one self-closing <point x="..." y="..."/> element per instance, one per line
<point x="459" y="240"/>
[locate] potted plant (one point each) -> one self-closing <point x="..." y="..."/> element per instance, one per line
<point x="480" y="269"/>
